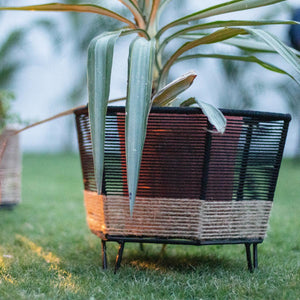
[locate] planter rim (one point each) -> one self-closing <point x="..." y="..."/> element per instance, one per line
<point x="262" y="115"/>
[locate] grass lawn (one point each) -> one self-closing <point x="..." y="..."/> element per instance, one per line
<point x="47" y="251"/>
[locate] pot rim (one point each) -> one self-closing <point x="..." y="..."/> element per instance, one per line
<point x="261" y="115"/>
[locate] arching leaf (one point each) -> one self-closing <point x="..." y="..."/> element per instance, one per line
<point x="214" y="115"/>
<point x="173" y="89"/>
<point x="217" y="36"/>
<point x="220" y="24"/>
<point x="250" y="58"/>
<point x="90" y="8"/>
<point x="284" y="51"/>
<point x="223" y="8"/>
<point x="133" y="7"/>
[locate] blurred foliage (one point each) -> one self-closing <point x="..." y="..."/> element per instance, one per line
<point x="294" y="32"/>
<point x="5" y="107"/>
<point x="240" y="87"/>
<point x="290" y="92"/>
<point x="12" y="46"/>
<point x="10" y="63"/>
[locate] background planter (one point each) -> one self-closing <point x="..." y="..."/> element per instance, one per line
<point x="10" y="169"/>
<point x="195" y="185"/>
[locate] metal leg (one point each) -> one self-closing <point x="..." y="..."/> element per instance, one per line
<point x="119" y="256"/>
<point x="255" y="260"/>
<point x="104" y="258"/>
<point x="142" y="247"/>
<point x="248" y="254"/>
<point x="163" y="249"/>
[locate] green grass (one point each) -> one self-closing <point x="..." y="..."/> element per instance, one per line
<point x="47" y="251"/>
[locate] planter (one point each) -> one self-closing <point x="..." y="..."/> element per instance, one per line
<point x="10" y="169"/>
<point x="196" y="187"/>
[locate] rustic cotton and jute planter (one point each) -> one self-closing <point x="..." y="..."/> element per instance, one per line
<point x="196" y="186"/>
<point x="10" y="169"/>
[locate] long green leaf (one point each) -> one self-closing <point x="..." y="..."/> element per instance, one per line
<point x="154" y="9"/>
<point x="100" y="57"/>
<point x="219" y="24"/>
<point x="279" y="47"/>
<point x="253" y="45"/>
<point x="223" y="8"/>
<point x="139" y="89"/>
<point x="147" y="8"/>
<point x="173" y="89"/>
<point x="227" y="33"/>
<point x="141" y="5"/>
<point x="251" y="59"/>
<point x="248" y="43"/>
<point x="217" y="36"/>
<point x="214" y="115"/>
<point x="132" y="6"/>
<point x="152" y="27"/>
<point x="74" y="8"/>
<point x="162" y="6"/>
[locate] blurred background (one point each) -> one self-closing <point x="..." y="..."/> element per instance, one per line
<point x="43" y="71"/>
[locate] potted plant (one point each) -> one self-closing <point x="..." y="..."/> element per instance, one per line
<point x="149" y="64"/>
<point x="10" y="158"/>
<point x="148" y="68"/>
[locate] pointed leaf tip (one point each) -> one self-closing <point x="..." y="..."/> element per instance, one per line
<point x="214" y="115"/>
<point x="168" y="93"/>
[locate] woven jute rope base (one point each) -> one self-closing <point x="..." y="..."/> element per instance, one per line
<point x="177" y="218"/>
<point x="10" y="169"/>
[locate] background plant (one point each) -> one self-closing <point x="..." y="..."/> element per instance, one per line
<point x="12" y="48"/>
<point x="6" y="116"/>
<point x="149" y="68"/>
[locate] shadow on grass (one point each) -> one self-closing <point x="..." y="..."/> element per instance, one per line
<point x="181" y="263"/>
<point x="171" y="260"/>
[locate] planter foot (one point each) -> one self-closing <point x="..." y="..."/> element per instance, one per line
<point x="255" y="260"/>
<point x="251" y="265"/>
<point x="104" y="257"/>
<point x="142" y="247"/>
<point x="119" y="256"/>
<point x="248" y="255"/>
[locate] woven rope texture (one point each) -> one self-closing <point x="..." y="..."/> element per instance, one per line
<point x="177" y="218"/>
<point x="10" y="169"/>
<point x="193" y="183"/>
